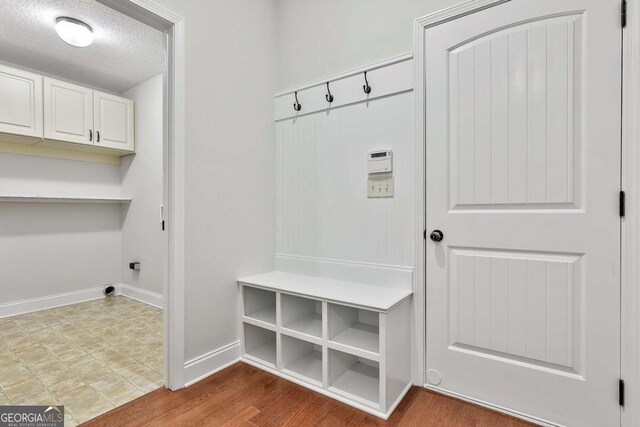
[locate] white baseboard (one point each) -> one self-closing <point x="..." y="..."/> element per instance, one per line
<point x="142" y="295"/>
<point x="51" y="301"/>
<point x="208" y="364"/>
<point x="491" y="406"/>
<point x="16" y="308"/>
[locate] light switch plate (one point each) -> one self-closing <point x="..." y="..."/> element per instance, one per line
<point x="380" y="186"/>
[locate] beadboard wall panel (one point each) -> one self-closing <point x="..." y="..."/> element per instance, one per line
<point x="323" y="210"/>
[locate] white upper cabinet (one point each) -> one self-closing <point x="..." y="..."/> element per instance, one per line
<point x="20" y="102"/>
<point x="43" y="111"/>
<point x="113" y="121"/>
<point x="68" y="112"/>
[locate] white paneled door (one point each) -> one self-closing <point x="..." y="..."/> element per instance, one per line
<point x="522" y="178"/>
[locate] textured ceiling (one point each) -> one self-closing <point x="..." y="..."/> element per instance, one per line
<point x="124" y="52"/>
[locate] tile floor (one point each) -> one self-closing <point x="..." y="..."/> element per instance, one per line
<point x="90" y="357"/>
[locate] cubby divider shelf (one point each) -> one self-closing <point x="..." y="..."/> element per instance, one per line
<point x="302" y="359"/>
<point x="348" y="341"/>
<point x="260" y="344"/>
<point x="355" y="377"/>
<point x="354" y="328"/>
<point x="302" y="315"/>
<point x="260" y="306"/>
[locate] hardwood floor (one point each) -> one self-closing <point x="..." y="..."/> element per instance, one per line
<point x="242" y="395"/>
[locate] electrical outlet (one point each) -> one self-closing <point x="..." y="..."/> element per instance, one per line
<point x="380" y="186"/>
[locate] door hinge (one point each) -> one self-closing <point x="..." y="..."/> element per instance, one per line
<point x="623" y="13"/>
<point x="621" y="392"/>
<point x="163" y="225"/>
<point x="622" y="204"/>
<point x="424" y="235"/>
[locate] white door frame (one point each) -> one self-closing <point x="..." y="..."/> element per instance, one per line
<point x="630" y="295"/>
<point x="630" y="275"/>
<point x="164" y="20"/>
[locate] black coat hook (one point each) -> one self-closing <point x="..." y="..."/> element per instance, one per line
<point x="296" y="105"/>
<point x="366" y="87"/>
<point x="328" y="96"/>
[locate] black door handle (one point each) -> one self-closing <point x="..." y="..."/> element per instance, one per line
<point x="436" y="236"/>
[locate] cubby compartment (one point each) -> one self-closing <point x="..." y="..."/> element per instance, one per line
<point x="354" y="377"/>
<point x="354" y="327"/>
<point x="302" y="315"/>
<point x="260" y="304"/>
<point x="302" y="359"/>
<point x="260" y="344"/>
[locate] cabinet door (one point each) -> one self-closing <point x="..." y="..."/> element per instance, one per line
<point x="113" y="122"/>
<point x="68" y="112"/>
<point x="20" y="102"/>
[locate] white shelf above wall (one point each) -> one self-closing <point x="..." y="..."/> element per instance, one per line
<point x="62" y="199"/>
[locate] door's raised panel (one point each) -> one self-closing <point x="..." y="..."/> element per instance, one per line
<point x="113" y="121"/>
<point x="20" y="102"/>
<point x="515" y="118"/>
<point x="517" y="304"/>
<point x="68" y="112"/>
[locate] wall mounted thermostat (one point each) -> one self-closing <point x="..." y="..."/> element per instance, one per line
<point x="380" y="161"/>
<point x="380" y="168"/>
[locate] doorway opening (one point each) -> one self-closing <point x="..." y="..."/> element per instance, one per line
<point x="93" y="215"/>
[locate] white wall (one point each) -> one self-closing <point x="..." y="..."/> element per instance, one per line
<point x="230" y="163"/>
<point x="317" y="39"/>
<point x="48" y="248"/>
<point x="142" y="238"/>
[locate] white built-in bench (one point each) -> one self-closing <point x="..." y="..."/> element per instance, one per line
<point x="349" y="341"/>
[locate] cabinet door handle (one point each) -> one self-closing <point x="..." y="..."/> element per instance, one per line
<point x="97" y="136"/>
<point x="90" y="135"/>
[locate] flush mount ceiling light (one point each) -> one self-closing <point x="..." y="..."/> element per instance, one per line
<point x="74" y="32"/>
